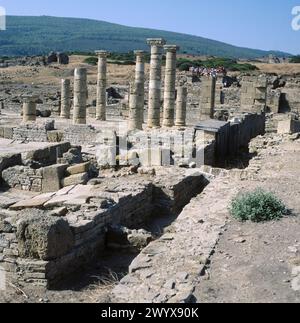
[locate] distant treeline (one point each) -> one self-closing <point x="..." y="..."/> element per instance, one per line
<point x="295" y="59"/>
<point x="184" y="64"/>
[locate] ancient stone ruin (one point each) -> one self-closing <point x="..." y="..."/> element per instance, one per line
<point x="85" y="180"/>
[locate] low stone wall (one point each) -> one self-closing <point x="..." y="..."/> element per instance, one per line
<point x="168" y="270"/>
<point x="33" y="131"/>
<point x="41" y="247"/>
<point x="81" y="135"/>
<point x="23" y="178"/>
<point x="36" y="170"/>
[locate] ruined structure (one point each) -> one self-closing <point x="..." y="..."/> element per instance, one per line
<point x="155" y="82"/>
<point x="137" y="94"/>
<point x="80" y="96"/>
<point x="170" y="85"/>
<point x="207" y="99"/>
<point x="69" y="190"/>
<point x="254" y="94"/>
<point x="65" y="98"/>
<point x="29" y="108"/>
<point x="181" y="106"/>
<point x="101" y="85"/>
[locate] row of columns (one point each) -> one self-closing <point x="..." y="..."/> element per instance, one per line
<point x="136" y="106"/>
<point x="137" y="92"/>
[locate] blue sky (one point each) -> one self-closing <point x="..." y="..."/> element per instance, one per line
<point x="263" y="24"/>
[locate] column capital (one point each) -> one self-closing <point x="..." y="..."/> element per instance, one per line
<point x="171" y="48"/>
<point x="156" y="42"/>
<point x="139" y="53"/>
<point x="102" y="53"/>
<point x="28" y="98"/>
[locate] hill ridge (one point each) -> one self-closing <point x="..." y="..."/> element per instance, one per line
<point x="34" y="35"/>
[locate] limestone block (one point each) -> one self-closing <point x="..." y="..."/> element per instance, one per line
<point x="75" y="179"/>
<point x="78" y="169"/>
<point x="52" y="177"/>
<point x="9" y="160"/>
<point x="288" y="126"/>
<point x="36" y="202"/>
<point x="43" y="237"/>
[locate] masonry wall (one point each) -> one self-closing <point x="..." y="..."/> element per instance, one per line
<point x="83" y="240"/>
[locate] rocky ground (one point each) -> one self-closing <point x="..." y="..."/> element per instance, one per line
<point x="260" y="262"/>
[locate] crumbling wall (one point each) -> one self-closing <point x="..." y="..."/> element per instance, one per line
<point x="80" y="135"/>
<point x="41" y="248"/>
<point x="33" y="132"/>
<point x="23" y="178"/>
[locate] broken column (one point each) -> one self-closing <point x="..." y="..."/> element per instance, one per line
<point x="137" y="94"/>
<point x="170" y="86"/>
<point x="101" y="85"/>
<point x="181" y="107"/>
<point x="80" y="96"/>
<point x="254" y="94"/>
<point x="65" y="99"/>
<point x="207" y="100"/>
<point x="155" y="82"/>
<point x="29" y="108"/>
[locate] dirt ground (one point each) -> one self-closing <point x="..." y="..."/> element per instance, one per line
<point x="254" y="263"/>
<point x="52" y="74"/>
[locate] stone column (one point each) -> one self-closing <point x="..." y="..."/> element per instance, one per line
<point x="101" y="85"/>
<point x="155" y="82"/>
<point x="137" y="94"/>
<point x="80" y="96"/>
<point x="181" y="107"/>
<point x="170" y="86"/>
<point x="65" y="99"/>
<point x="207" y="100"/>
<point x="29" y="108"/>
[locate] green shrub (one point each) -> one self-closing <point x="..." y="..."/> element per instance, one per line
<point x="295" y="59"/>
<point x="91" y="60"/>
<point x="257" y="206"/>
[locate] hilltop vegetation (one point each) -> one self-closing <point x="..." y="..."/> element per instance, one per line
<point x="230" y="64"/>
<point x="40" y="35"/>
<point x="295" y="59"/>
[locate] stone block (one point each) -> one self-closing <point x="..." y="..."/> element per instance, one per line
<point x="75" y="179"/>
<point x="55" y="136"/>
<point x="36" y="202"/>
<point x="10" y="160"/>
<point x="43" y="237"/>
<point x="78" y="169"/>
<point x="288" y="126"/>
<point x="52" y="177"/>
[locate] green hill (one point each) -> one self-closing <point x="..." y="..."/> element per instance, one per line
<point x="40" y="35"/>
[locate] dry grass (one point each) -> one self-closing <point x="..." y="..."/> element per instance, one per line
<point x="279" y="68"/>
<point x="99" y="291"/>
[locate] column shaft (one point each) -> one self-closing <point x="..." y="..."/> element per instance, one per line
<point x="155" y="83"/>
<point x="170" y="86"/>
<point x="101" y="85"/>
<point x="65" y="99"/>
<point x="137" y="94"/>
<point x="181" y="107"/>
<point x="29" y="108"/>
<point x="80" y="96"/>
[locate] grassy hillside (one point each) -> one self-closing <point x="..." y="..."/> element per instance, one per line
<point x="40" y="35"/>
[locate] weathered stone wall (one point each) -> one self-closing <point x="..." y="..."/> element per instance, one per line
<point x="39" y="247"/>
<point x="167" y="273"/>
<point x="80" y="135"/>
<point x="23" y="178"/>
<point x="33" y="132"/>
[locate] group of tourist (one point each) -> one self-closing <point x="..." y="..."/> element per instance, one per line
<point x="204" y="71"/>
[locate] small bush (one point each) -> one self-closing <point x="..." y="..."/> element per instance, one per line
<point x="257" y="206"/>
<point x="91" y="60"/>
